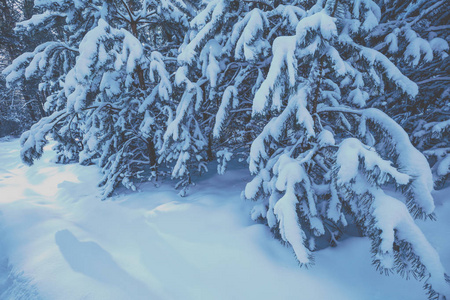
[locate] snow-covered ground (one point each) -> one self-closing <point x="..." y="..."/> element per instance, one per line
<point x="58" y="240"/>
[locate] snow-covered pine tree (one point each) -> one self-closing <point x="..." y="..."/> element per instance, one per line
<point x="13" y="117"/>
<point x="49" y="63"/>
<point x="415" y="35"/>
<point x="321" y="158"/>
<point x="222" y="62"/>
<point x="110" y="89"/>
<point x="186" y="138"/>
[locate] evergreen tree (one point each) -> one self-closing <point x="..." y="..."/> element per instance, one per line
<point x="108" y="84"/>
<point x="226" y="53"/>
<point x="19" y="106"/>
<point x="321" y="158"/>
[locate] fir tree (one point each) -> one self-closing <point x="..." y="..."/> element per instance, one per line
<point x="108" y="84"/>
<point x="226" y="53"/>
<point x="320" y="156"/>
<point x="19" y="106"/>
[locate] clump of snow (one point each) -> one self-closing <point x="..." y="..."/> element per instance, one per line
<point x="223" y="157"/>
<point x="317" y="22"/>
<point x="392" y="218"/>
<point x="325" y="138"/>
<point x="284" y="58"/>
<point x="415" y="49"/>
<point x="247" y="46"/>
<point x="229" y="99"/>
<point x="440" y="46"/>
<point x="411" y="160"/>
<point x="351" y="151"/>
<point x="206" y="23"/>
<point x="391" y="71"/>
<point x="210" y="57"/>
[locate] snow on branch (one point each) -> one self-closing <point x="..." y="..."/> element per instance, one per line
<point x="229" y="99"/>
<point x="410" y="160"/>
<point x="39" y="21"/>
<point x="283" y="61"/>
<point x="396" y="224"/>
<point x="248" y="36"/>
<point x="290" y="173"/>
<point x="34" y="140"/>
<point x="348" y="157"/>
<point x="390" y="70"/>
<point x="206" y="23"/>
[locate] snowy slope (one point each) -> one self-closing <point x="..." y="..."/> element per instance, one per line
<point x="59" y="241"/>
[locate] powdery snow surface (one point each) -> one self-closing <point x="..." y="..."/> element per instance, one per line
<point x="59" y="241"/>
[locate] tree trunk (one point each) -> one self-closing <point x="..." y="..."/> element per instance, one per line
<point x="152" y="155"/>
<point x="29" y="107"/>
